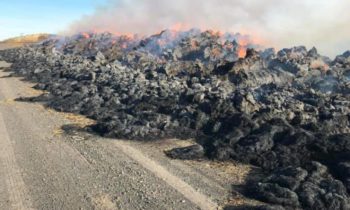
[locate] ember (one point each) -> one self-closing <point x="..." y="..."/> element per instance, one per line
<point x="85" y="35"/>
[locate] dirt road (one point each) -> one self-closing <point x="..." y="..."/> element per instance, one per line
<point x="43" y="166"/>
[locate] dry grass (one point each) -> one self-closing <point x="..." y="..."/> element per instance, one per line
<point x="58" y="131"/>
<point x="236" y="201"/>
<point x="9" y="101"/>
<point x="77" y="119"/>
<point x="103" y="202"/>
<point x="33" y="38"/>
<point x="233" y="172"/>
<point x="4" y="46"/>
<point x="80" y="120"/>
<point x="168" y="144"/>
<point x="34" y="92"/>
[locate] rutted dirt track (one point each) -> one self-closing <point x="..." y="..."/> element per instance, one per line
<point x="44" y="167"/>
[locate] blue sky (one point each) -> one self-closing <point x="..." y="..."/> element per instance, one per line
<point x="34" y="16"/>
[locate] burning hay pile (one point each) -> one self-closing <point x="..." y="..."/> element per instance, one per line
<point x="286" y="112"/>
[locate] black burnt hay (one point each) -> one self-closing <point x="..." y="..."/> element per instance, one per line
<point x="286" y="112"/>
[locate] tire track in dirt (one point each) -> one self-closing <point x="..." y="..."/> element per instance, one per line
<point x="18" y="195"/>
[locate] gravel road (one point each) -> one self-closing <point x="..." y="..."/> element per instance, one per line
<point x="48" y="164"/>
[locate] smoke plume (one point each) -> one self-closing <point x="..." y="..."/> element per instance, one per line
<point x="277" y="23"/>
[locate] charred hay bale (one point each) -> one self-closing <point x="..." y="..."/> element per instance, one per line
<point x="311" y="188"/>
<point x="187" y="153"/>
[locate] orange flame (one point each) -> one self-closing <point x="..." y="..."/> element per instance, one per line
<point x="243" y="42"/>
<point x="85" y="35"/>
<point x="242" y="51"/>
<point x="179" y="27"/>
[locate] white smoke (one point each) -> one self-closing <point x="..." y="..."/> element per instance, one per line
<point x="277" y="23"/>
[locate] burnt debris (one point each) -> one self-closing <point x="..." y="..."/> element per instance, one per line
<point x="286" y="112"/>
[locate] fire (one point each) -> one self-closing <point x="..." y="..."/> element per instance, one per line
<point x="215" y="33"/>
<point x="85" y="35"/>
<point x="242" y="51"/>
<point x="179" y="27"/>
<point x="173" y="34"/>
<point x="129" y="36"/>
<point x="243" y="41"/>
